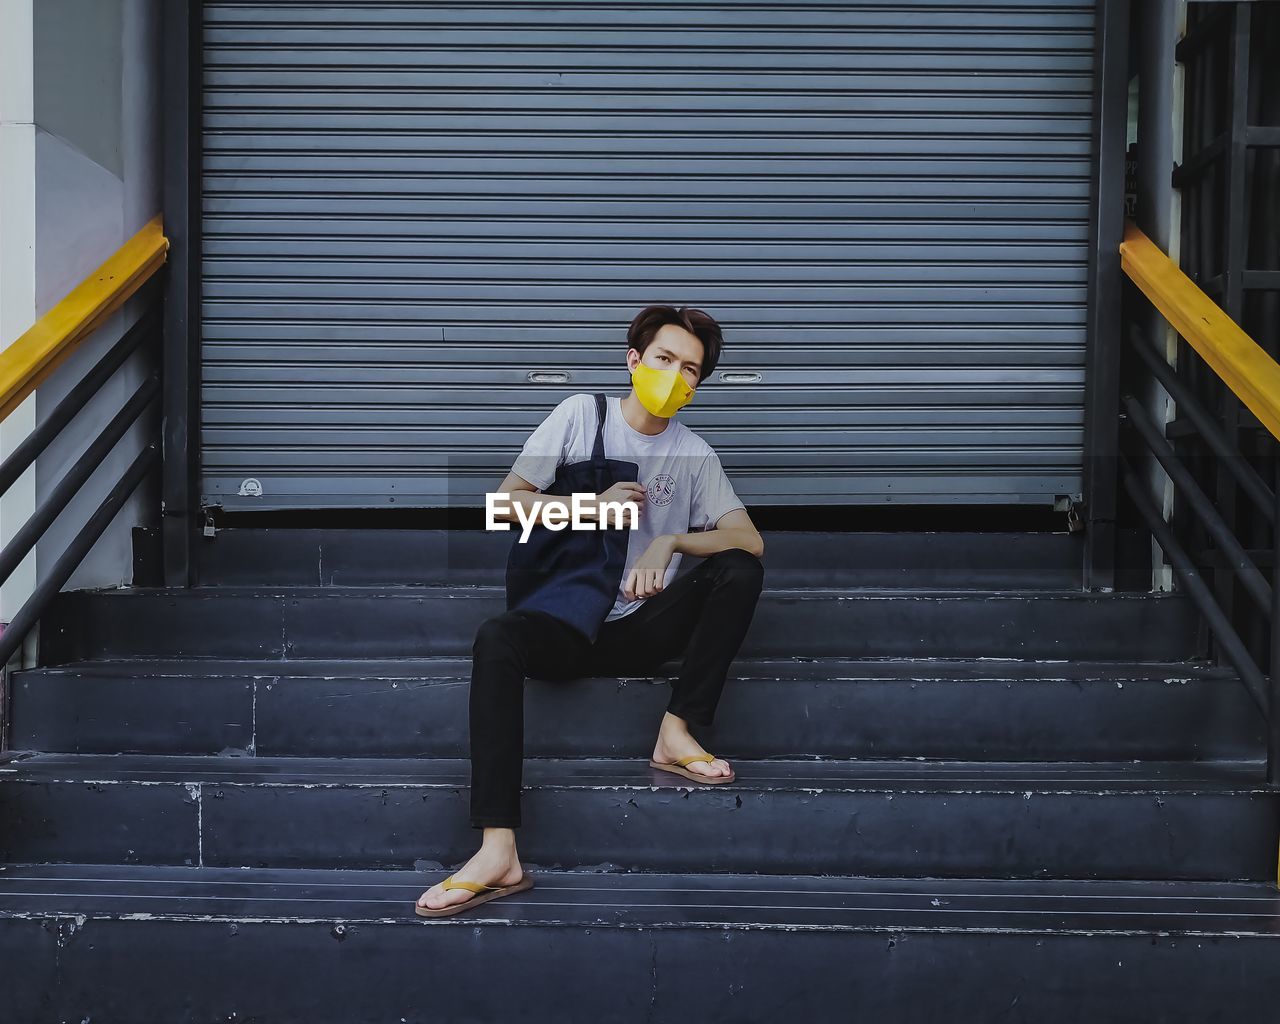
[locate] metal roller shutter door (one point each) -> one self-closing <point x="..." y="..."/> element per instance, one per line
<point x="411" y="208"/>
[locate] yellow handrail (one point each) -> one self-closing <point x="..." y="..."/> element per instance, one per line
<point x="1240" y="361"/>
<point x="37" y="353"/>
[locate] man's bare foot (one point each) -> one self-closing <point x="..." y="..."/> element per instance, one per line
<point x="674" y="742"/>
<point x="495" y="863"/>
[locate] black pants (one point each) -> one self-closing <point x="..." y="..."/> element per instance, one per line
<point x="704" y="613"/>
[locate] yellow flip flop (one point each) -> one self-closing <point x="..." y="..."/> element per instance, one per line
<point x="484" y="893"/>
<point x="678" y="767"/>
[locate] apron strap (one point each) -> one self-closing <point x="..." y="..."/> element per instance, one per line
<point x="597" y="452"/>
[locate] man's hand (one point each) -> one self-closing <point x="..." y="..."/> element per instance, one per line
<point x="623" y="490"/>
<point x="650" y="570"/>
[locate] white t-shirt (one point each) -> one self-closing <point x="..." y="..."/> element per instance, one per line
<point x="686" y="487"/>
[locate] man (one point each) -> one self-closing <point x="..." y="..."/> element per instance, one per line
<point x="703" y="614"/>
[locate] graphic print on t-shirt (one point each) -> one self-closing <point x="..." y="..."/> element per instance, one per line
<point x="662" y="489"/>
<point x="685" y="485"/>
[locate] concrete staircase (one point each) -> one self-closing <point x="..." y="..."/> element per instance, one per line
<point x="965" y="788"/>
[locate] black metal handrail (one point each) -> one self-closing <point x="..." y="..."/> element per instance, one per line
<point x="145" y="332"/>
<point x="1263" y="685"/>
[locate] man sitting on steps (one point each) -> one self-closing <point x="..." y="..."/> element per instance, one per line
<point x="703" y="614"/>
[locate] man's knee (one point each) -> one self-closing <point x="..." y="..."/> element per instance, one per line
<point x="739" y="566"/>
<point x="496" y="633"/>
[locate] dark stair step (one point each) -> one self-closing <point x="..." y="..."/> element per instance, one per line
<point x="968" y="709"/>
<point x="1210" y="820"/>
<point x="346" y="557"/>
<point x="417" y="621"/>
<point x="345" y="946"/>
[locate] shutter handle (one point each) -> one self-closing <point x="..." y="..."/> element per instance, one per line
<point x="548" y="377"/>
<point x="740" y="377"/>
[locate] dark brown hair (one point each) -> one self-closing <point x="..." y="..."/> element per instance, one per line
<point x="651" y="319"/>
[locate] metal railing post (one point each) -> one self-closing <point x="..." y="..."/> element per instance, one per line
<point x="1273" y="682"/>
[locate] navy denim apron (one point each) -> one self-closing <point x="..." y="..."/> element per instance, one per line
<point x="573" y="575"/>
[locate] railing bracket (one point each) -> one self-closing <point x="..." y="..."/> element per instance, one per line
<point x="1074" y="523"/>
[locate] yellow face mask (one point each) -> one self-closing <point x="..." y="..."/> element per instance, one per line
<point x="662" y="392"/>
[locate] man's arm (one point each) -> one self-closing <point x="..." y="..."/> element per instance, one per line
<point x="732" y="530"/>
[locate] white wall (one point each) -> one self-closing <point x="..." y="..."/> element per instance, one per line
<point x="17" y="263"/>
<point x="86" y="142"/>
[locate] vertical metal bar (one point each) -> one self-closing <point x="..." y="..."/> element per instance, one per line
<point x="1156" y="39"/>
<point x="182" y="63"/>
<point x="1234" y="233"/>
<point x="1273" y="709"/>
<point x="1195" y="130"/>
<point x="1232" y="268"/>
<point x="1106" y="228"/>
<point x="1263" y="248"/>
<point x="1209" y="95"/>
<point x="1155" y="26"/>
